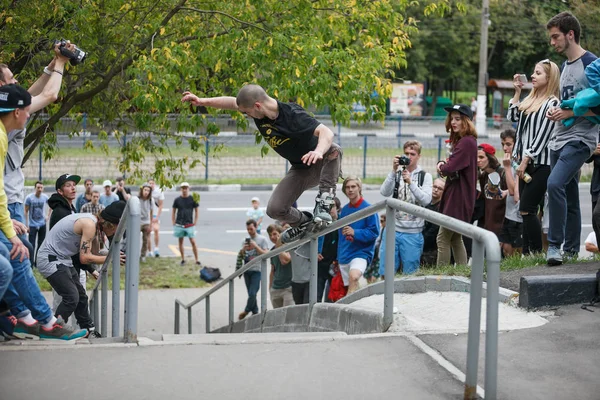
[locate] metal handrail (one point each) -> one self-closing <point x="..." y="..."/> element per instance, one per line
<point x="130" y="223"/>
<point x="486" y="253"/>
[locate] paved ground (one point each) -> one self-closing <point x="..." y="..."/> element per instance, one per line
<point x="554" y="361"/>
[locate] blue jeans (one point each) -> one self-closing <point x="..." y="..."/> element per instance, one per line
<point x="23" y="294"/>
<point x="6" y="271"/>
<point x="252" y="280"/>
<point x="408" y="249"/>
<point x="17" y="212"/>
<point x="563" y="195"/>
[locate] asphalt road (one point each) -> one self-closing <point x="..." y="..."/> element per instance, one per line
<point x="221" y="227"/>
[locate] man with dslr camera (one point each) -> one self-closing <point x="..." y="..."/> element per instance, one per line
<point x="24" y="293"/>
<point x="407" y="182"/>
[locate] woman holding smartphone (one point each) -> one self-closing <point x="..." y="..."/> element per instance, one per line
<point x="531" y="146"/>
<point x="460" y="170"/>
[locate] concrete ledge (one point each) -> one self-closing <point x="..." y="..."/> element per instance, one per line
<point x="555" y="290"/>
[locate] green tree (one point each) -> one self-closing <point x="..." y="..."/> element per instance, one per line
<point x="143" y="53"/>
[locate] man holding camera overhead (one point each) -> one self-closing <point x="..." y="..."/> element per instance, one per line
<point x="407" y="182"/>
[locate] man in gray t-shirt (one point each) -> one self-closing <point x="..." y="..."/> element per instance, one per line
<point x="570" y="146"/>
<point x="253" y="246"/>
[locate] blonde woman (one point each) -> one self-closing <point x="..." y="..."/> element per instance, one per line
<point x="531" y="151"/>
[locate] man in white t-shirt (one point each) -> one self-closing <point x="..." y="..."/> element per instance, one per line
<point x="158" y="198"/>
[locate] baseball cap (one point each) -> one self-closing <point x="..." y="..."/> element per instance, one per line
<point x="184" y="184"/>
<point x="461" y="108"/>
<point x="255" y="199"/>
<point x="113" y="212"/>
<point x="487" y="148"/>
<point x="13" y="96"/>
<point x="106" y="183"/>
<point x="66" y="178"/>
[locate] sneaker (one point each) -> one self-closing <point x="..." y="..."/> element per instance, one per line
<point x="149" y="254"/>
<point x="61" y="331"/>
<point x="143" y="259"/>
<point x="156" y="253"/>
<point x="297" y="232"/>
<point x="198" y="263"/>
<point x="92" y="333"/>
<point x="243" y="315"/>
<point x="25" y="331"/>
<point x="182" y="262"/>
<point x="323" y="204"/>
<point x="553" y="256"/>
<point x="7" y="326"/>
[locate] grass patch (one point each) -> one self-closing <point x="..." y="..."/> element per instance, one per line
<point x="155" y="273"/>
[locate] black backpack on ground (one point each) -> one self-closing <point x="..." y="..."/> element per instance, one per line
<point x="209" y="274"/>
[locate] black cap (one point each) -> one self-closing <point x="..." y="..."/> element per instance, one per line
<point x="113" y="212"/>
<point x="66" y="178"/>
<point x="461" y="108"/>
<point x="13" y="96"/>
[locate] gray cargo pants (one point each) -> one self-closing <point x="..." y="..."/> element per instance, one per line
<point x="325" y="173"/>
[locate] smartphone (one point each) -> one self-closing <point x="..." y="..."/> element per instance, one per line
<point x="247" y="241"/>
<point x="523" y="78"/>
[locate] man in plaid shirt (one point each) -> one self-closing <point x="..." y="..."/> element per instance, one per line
<point x="94" y="206"/>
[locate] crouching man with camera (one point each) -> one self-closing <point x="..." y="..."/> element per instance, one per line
<point x="407" y="182"/>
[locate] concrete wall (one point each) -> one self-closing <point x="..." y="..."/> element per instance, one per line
<point x="339" y="317"/>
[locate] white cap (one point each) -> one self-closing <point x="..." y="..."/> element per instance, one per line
<point x="106" y="183"/>
<point x="255" y="199"/>
<point x="184" y="184"/>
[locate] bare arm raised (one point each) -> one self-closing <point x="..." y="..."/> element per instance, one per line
<point x="223" y="103"/>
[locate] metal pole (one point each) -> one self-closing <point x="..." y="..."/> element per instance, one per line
<point x="176" y="327"/>
<point x="390" y="259"/>
<point x="483" y="54"/>
<point x="439" y="148"/>
<point x="264" y="286"/>
<point x="207" y="302"/>
<point x="132" y="276"/>
<point x="104" y="304"/>
<point x="491" y="333"/>
<point x="206" y="150"/>
<point x="95" y="307"/>
<point x="116" y="288"/>
<point x="399" y="132"/>
<point x="365" y="139"/>
<point x="231" y="302"/>
<point x="40" y="165"/>
<point x="474" y="322"/>
<point x="314" y="258"/>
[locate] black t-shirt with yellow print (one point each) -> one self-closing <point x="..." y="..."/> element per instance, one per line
<point x="291" y="134"/>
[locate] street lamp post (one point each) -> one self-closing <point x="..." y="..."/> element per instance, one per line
<point x="480" y="122"/>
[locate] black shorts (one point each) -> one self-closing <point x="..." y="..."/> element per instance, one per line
<point x="512" y="233"/>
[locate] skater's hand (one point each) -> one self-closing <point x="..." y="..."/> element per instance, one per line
<point x="96" y="274"/>
<point x="312" y="157"/>
<point x="191" y="98"/>
<point x="19" y="227"/>
<point x="347" y="231"/>
<point x="18" y="249"/>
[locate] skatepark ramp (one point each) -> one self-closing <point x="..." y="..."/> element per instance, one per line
<point x="485" y="247"/>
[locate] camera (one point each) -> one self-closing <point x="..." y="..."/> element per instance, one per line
<point x="77" y="56"/>
<point x="403" y="160"/>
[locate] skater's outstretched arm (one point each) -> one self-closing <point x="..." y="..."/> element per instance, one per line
<point x="325" y="139"/>
<point x="223" y="103"/>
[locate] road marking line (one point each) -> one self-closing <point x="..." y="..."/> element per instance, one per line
<point x="447" y="365"/>
<point x="175" y="249"/>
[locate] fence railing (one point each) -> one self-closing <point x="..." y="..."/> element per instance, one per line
<point x="485" y="254"/>
<point x="130" y="224"/>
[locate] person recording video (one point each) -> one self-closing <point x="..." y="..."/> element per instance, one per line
<point x="407" y="182"/>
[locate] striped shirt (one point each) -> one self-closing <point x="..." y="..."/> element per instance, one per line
<point x="534" y="131"/>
